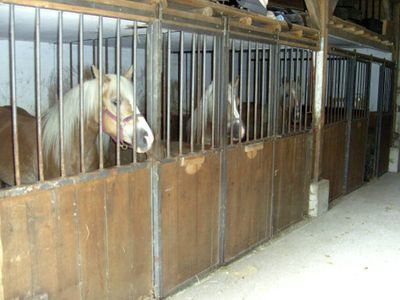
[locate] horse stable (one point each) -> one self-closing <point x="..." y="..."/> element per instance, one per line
<point x="145" y="144"/>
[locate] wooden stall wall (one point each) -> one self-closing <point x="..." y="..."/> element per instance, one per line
<point x="90" y="240"/>
<point x="384" y="145"/>
<point x="357" y="154"/>
<point x="249" y="198"/>
<point x="333" y="157"/>
<point x="189" y="220"/>
<point x="292" y="172"/>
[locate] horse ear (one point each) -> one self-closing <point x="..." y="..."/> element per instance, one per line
<point x="95" y="72"/>
<point x="128" y="74"/>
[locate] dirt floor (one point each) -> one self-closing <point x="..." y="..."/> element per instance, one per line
<point x="351" y="252"/>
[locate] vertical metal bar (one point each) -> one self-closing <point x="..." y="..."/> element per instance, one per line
<point x="232" y="91"/>
<point x="81" y="95"/>
<point x="203" y="93"/>
<point x="100" y="91"/>
<point x="274" y="64"/>
<point x="60" y="91"/>
<point x="338" y="92"/>
<point x="134" y="63"/>
<point x="248" y="91"/>
<point x="118" y="89"/>
<point x="241" y="83"/>
<point x="214" y="92"/>
<point x="194" y="36"/>
<point x="290" y="88"/>
<point x="331" y="88"/>
<point x="295" y="75"/>
<point x="283" y="121"/>
<point x="301" y="88"/>
<point x="255" y="93"/>
<point x="13" y="98"/>
<point x="263" y="100"/>
<point x="181" y="37"/>
<point x="71" y="66"/>
<point x="169" y="94"/>
<point x="106" y="54"/>
<point x="38" y="94"/>
<point x="94" y="52"/>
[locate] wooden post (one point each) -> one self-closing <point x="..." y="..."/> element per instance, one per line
<point x="318" y="10"/>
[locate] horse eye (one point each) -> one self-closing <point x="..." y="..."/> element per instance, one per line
<point x="114" y="102"/>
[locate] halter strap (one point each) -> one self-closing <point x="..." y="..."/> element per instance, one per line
<point x="123" y="144"/>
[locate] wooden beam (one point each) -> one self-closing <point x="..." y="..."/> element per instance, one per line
<point x="314" y="10"/>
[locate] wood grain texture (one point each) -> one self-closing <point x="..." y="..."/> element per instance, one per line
<point x="249" y="199"/>
<point x="189" y="220"/>
<point x="333" y="158"/>
<point x="358" y="147"/>
<point x="292" y="180"/>
<point x="85" y="241"/>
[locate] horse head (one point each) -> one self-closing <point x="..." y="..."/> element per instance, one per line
<point x="144" y="135"/>
<point x="235" y="123"/>
<point x="292" y="95"/>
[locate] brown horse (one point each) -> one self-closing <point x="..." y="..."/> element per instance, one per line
<point x="27" y="138"/>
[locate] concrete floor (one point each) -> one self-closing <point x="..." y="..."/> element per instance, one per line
<point x="351" y="252"/>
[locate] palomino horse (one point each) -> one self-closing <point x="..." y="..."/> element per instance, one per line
<point x="50" y="130"/>
<point x="234" y="122"/>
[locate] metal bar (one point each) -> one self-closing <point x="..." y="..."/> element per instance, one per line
<point x="181" y="91"/>
<point x="283" y="121"/>
<point x="169" y="94"/>
<point x="71" y="66"/>
<point x="13" y="98"/>
<point x="134" y="63"/>
<point x="194" y="36"/>
<point x="106" y="55"/>
<point x="81" y="95"/>
<point x="263" y="100"/>
<point x="232" y="91"/>
<point x="255" y="93"/>
<point x="301" y="88"/>
<point x="306" y="87"/>
<point x="241" y="83"/>
<point x="272" y="66"/>
<point x="295" y="75"/>
<point x="290" y="88"/>
<point x="100" y="91"/>
<point x="214" y="92"/>
<point x="38" y="94"/>
<point x="203" y="83"/>
<point x="94" y="52"/>
<point x="248" y="91"/>
<point x="60" y="91"/>
<point x="338" y="93"/>
<point x="118" y="89"/>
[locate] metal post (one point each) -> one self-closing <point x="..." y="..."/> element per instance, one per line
<point x="38" y="95"/>
<point x="100" y="91"/>
<point x="60" y="91"/>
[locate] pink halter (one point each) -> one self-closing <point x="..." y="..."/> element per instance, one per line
<point x="123" y="144"/>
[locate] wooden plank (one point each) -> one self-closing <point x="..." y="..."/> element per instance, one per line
<point x="139" y="214"/>
<point x="358" y="147"/>
<point x="333" y="158"/>
<point x="249" y="187"/>
<point x="90" y="201"/>
<point x="67" y="244"/>
<point x="189" y="221"/>
<point x="292" y="180"/>
<point x="17" y="258"/>
<point x="43" y="240"/>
